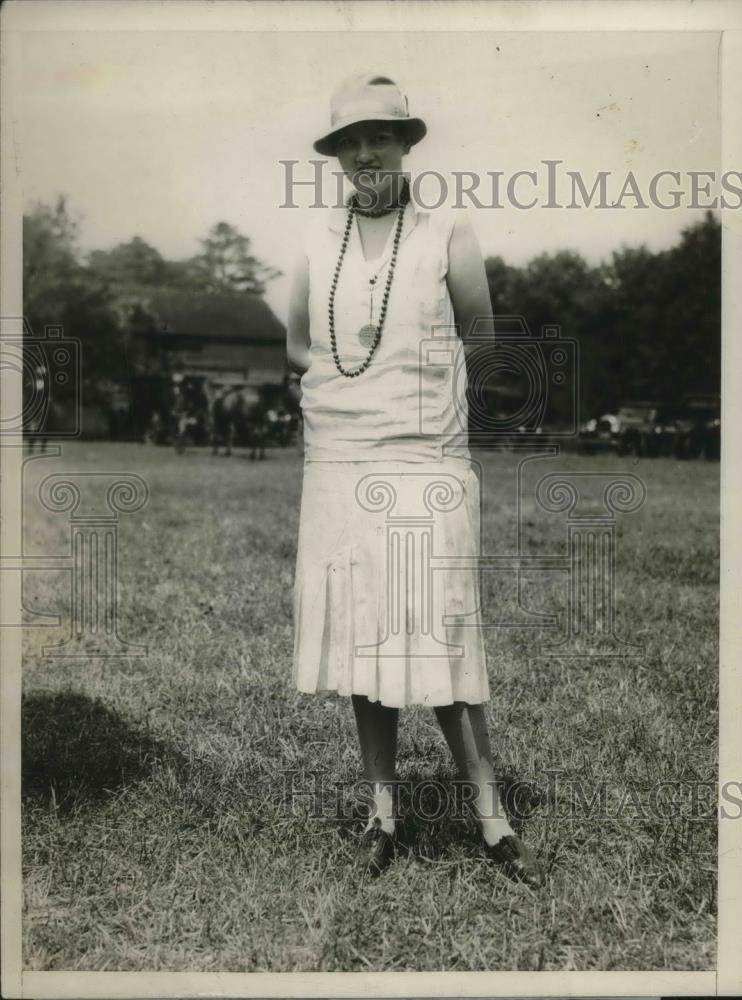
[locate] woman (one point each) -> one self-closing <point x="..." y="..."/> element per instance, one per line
<point x="388" y="480"/>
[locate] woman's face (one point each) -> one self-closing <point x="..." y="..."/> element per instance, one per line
<point x="371" y="149"/>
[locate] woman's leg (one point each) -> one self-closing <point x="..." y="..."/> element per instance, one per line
<point x="465" y="729"/>
<point x="377" y="732"/>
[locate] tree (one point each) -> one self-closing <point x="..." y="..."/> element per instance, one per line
<point x="558" y="289"/>
<point x="132" y="263"/>
<point x="662" y="328"/>
<point x="646" y="323"/>
<point x="627" y="346"/>
<point x="50" y="257"/>
<point x="59" y="290"/>
<point x="226" y="264"/>
<point x="691" y="308"/>
<point x="501" y="279"/>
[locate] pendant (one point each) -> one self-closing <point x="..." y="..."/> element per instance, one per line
<point x="367" y="335"/>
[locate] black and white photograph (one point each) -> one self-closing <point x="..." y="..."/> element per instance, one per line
<point x="368" y="433"/>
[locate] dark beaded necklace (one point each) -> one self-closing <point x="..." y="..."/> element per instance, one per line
<point x="377" y="213"/>
<point x="352" y="210"/>
<point x="372" y="213"/>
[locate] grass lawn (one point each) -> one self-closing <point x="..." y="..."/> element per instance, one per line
<point x="159" y="828"/>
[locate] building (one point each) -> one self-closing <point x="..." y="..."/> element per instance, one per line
<point x="221" y="337"/>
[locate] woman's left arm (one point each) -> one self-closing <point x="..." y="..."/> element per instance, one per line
<point x="467" y="282"/>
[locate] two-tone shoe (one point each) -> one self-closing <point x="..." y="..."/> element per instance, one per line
<point x="516" y="860"/>
<point x="376" y="849"/>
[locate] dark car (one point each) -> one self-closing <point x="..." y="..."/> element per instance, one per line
<point x="598" y="434"/>
<point x="688" y="429"/>
<point x="641" y="427"/>
<point x="646" y="428"/>
<point x="698" y="427"/>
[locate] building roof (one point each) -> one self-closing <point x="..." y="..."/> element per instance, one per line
<point x="231" y="317"/>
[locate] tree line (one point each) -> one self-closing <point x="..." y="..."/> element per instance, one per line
<point x="646" y="322"/>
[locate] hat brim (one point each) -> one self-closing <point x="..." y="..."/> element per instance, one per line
<point x="415" y="127"/>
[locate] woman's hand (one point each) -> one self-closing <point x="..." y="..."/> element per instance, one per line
<point x="297" y="329"/>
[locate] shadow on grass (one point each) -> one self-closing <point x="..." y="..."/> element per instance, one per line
<point x="77" y="752"/>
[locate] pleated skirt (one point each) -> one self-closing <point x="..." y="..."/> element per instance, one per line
<point x="386" y="589"/>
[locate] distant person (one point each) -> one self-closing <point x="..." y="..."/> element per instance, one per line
<point x="375" y="277"/>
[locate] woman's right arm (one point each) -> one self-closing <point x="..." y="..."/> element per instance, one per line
<point x="297" y="330"/>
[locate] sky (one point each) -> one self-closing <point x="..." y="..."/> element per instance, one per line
<point x="162" y="134"/>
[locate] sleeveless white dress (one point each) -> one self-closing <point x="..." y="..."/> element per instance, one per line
<point x="390" y="500"/>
